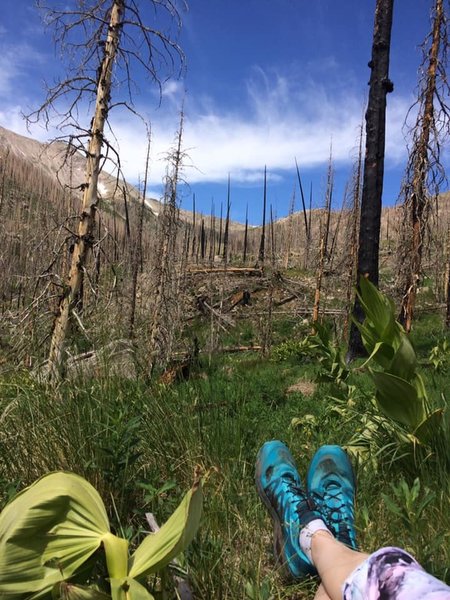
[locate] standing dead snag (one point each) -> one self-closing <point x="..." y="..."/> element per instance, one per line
<point x="323" y="240"/>
<point x="370" y="221"/>
<point x="262" y="244"/>
<point x="165" y="307"/>
<point x="108" y="37"/>
<point x="424" y="172"/>
<point x="85" y="235"/>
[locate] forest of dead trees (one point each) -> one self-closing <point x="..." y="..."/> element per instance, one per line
<point x="81" y="271"/>
<point x="149" y="278"/>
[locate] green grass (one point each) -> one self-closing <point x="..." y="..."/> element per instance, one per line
<point x="130" y="439"/>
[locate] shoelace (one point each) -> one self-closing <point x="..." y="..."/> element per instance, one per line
<point x="292" y="488"/>
<point x="339" y="526"/>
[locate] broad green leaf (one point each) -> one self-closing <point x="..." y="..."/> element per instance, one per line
<point x="70" y="591"/>
<point x="379" y="349"/>
<point x="48" y="531"/>
<point x="126" y="588"/>
<point x="158" y="549"/>
<point x="116" y="550"/>
<point x="398" y="399"/>
<point x="377" y="309"/>
<point x="405" y="361"/>
<point x="429" y="427"/>
<point x="418" y="383"/>
<point x="371" y="340"/>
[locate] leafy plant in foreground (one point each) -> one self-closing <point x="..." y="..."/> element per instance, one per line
<point x="50" y="530"/>
<point x="401" y="394"/>
<point x="331" y="356"/>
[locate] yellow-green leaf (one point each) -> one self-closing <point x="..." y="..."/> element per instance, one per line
<point x="127" y="588"/>
<point x="48" y="531"/>
<point x="158" y="549"/>
<point x="70" y="591"/>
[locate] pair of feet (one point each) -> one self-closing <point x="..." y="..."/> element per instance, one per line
<point x="329" y="495"/>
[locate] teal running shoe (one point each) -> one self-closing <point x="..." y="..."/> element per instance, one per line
<point x="281" y="490"/>
<point x="331" y="484"/>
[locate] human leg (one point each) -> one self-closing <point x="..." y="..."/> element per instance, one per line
<point x="321" y="594"/>
<point x="334" y="562"/>
<point x="304" y="544"/>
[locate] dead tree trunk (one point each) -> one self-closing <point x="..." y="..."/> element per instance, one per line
<point x="447" y="279"/>
<point x="262" y="244"/>
<point x="354" y="221"/>
<point x="227" y="226"/>
<point x="323" y="243"/>
<point x="421" y="160"/>
<point x="305" y="218"/>
<point x="245" y="235"/>
<point x="137" y="254"/>
<point x="290" y="228"/>
<point x="370" y="222"/>
<point x="164" y="317"/>
<point x="84" y="240"/>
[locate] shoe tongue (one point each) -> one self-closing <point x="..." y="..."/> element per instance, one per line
<point x="332" y="483"/>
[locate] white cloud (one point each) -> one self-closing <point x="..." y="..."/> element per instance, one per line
<point x="15" y="61"/>
<point x="279" y="117"/>
<point x="279" y="120"/>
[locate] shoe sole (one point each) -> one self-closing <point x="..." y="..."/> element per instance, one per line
<point x="278" y="542"/>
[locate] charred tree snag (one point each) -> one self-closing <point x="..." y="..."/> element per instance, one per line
<point x="370" y="221"/>
<point x="424" y="172"/>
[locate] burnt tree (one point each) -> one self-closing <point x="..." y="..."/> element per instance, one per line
<point x="370" y="221"/>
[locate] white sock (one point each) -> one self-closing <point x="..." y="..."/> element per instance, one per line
<point x="307" y="533"/>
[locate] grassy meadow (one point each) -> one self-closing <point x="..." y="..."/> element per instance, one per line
<point x="138" y="443"/>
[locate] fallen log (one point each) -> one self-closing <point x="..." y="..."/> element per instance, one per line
<point x="231" y="270"/>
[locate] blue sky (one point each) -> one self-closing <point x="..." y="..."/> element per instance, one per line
<point x="265" y="81"/>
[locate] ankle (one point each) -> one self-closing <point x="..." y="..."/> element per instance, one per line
<point x="308" y="532"/>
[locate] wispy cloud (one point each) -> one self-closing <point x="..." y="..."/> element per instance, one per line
<point x="279" y="116"/>
<point x="16" y="61"/>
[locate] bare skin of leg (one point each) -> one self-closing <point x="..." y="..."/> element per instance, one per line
<point x="334" y="563"/>
<point x="321" y="594"/>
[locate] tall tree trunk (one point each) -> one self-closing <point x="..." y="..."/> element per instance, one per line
<point x="194" y="232"/>
<point x="164" y="318"/>
<point x="290" y="228"/>
<point x="262" y="244"/>
<point x="84" y="240"/>
<point x="370" y="222"/>
<point x="245" y="235"/>
<point x="323" y="243"/>
<point x="227" y="225"/>
<point x="137" y="255"/>
<point x="354" y="220"/>
<point x="272" y="238"/>
<point x="305" y="218"/>
<point x="220" y="229"/>
<point x="202" y="241"/>
<point x="416" y="193"/>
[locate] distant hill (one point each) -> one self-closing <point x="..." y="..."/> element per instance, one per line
<point x="63" y="163"/>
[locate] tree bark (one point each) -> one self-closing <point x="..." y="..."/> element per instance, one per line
<point x="84" y="240"/>
<point x="370" y="222"/>
<point x="262" y="244"/>
<point x="416" y="204"/>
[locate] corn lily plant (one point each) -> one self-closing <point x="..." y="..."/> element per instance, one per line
<point x="50" y="531"/>
<point x="400" y="391"/>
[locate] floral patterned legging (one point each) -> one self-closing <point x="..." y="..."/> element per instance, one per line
<point x="391" y="573"/>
